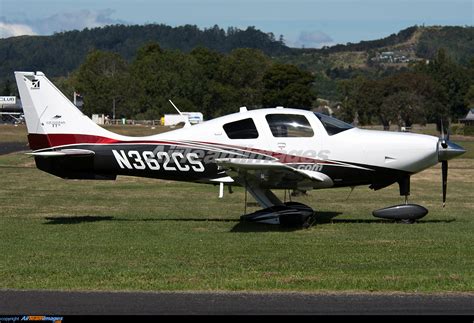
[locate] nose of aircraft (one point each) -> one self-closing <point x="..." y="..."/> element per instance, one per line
<point x="448" y="150"/>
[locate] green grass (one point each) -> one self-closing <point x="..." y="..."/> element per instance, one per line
<point x="13" y="133"/>
<point x="468" y="146"/>
<point x="143" y="234"/>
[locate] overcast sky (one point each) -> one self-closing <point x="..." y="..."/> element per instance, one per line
<point x="302" y="22"/>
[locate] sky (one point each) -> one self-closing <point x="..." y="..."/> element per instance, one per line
<point x="303" y="23"/>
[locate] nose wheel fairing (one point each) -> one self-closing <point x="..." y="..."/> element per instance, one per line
<point x="403" y="212"/>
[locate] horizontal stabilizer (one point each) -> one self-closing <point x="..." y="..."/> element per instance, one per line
<point x="62" y="153"/>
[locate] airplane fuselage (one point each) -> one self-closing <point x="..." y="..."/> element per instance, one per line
<point x="349" y="158"/>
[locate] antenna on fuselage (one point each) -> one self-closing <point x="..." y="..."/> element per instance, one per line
<point x="186" y="119"/>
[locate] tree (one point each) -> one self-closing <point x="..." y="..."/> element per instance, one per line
<point x="157" y="76"/>
<point x="209" y="60"/>
<point x="435" y="101"/>
<point x="361" y="98"/>
<point x="101" y="79"/>
<point x="402" y="98"/>
<point x="243" y="71"/>
<point x="453" y="78"/>
<point x="469" y="97"/>
<point x="405" y="108"/>
<point x="288" y="86"/>
<point x="7" y="88"/>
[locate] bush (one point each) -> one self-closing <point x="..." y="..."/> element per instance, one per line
<point x="469" y="130"/>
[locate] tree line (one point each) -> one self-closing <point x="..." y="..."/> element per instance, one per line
<point x="201" y="80"/>
<point x="216" y="84"/>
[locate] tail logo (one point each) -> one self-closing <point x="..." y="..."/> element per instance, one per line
<point x="55" y="123"/>
<point x="35" y="84"/>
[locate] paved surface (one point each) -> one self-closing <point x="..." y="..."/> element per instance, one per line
<point x="116" y="303"/>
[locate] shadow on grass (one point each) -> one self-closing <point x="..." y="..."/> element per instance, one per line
<point x="368" y="221"/>
<point x="328" y="217"/>
<point x="77" y="219"/>
<point x="88" y="219"/>
<point x="322" y="217"/>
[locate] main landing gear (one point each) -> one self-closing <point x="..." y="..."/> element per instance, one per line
<point x="289" y="214"/>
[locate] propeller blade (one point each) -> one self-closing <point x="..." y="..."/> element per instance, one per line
<point x="444" y="169"/>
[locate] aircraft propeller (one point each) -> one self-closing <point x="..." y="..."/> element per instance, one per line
<point x="446" y="150"/>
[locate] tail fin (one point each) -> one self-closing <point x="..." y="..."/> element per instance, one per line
<point x="51" y="118"/>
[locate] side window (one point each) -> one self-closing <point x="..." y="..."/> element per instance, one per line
<point x="289" y="125"/>
<point x="242" y="129"/>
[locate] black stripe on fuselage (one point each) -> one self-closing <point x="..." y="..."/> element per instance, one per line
<point x="184" y="163"/>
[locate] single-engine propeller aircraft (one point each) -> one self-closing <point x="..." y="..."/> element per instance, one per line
<point x="260" y="150"/>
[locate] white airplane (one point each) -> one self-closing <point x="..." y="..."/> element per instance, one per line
<point x="259" y="150"/>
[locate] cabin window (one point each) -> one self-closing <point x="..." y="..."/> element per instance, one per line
<point x="332" y="125"/>
<point x="242" y="129"/>
<point x="289" y="125"/>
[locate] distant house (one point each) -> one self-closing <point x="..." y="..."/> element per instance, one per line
<point x="469" y="119"/>
<point x="392" y="57"/>
<point x="387" y="54"/>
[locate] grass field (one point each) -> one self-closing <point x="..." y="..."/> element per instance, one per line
<point x="143" y="234"/>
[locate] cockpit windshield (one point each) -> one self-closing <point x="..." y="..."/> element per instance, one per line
<point x="332" y="125"/>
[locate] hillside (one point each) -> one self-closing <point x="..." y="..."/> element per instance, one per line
<point x="458" y="41"/>
<point x="382" y="57"/>
<point x="61" y="53"/>
<point x="413" y="43"/>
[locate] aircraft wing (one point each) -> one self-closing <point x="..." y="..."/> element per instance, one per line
<point x="270" y="173"/>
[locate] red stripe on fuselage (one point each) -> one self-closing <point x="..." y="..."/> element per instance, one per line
<point x="40" y="141"/>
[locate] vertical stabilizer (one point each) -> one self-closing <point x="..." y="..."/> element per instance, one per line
<point x="50" y="117"/>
